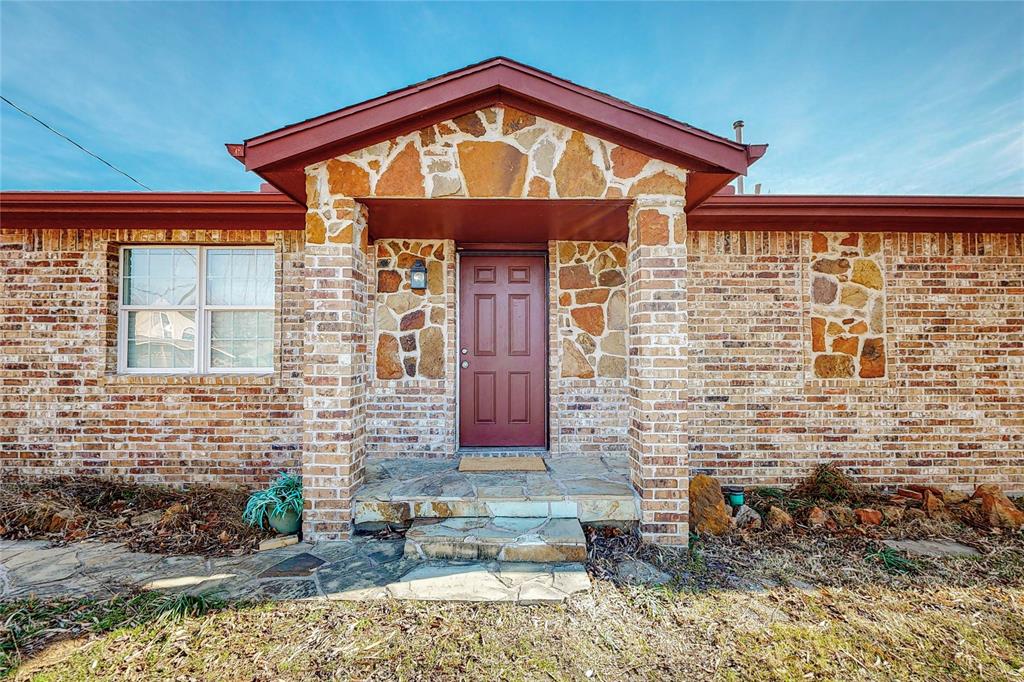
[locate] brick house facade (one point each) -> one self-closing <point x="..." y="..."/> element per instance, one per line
<point x="687" y="330"/>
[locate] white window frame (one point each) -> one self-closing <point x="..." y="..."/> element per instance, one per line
<point x="204" y="315"/>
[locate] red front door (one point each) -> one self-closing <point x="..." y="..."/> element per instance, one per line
<point x="502" y="351"/>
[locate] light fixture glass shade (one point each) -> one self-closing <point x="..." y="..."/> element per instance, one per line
<point x="418" y="275"/>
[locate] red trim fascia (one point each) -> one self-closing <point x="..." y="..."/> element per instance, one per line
<point x="181" y="210"/>
<point x="859" y="213"/>
<point x="495" y="81"/>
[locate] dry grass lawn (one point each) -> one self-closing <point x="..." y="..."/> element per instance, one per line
<point x="773" y="608"/>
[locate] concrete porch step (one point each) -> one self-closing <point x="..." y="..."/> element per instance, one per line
<point x="548" y="540"/>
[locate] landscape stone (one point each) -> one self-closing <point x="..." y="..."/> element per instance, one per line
<point x="843" y="516"/>
<point x="278" y="542"/>
<point x="708" y="513"/>
<point x="868" y="517"/>
<point x="746" y="518"/>
<point x="933" y="548"/>
<point x="817" y="517"/>
<point x="892" y="513"/>
<point x="996" y="509"/>
<point x="634" y="572"/>
<point x="778" y="519"/>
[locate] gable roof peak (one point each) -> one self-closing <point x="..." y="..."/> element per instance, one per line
<point x="277" y="155"/>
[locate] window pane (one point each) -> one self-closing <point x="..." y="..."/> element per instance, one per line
<point x="161" y="339"/>
<point x="240" y="277"/>
<point x="241" y="339"/>
<point x="159" y="276"/>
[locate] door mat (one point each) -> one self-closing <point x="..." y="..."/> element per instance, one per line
<point x="484" y="464"/>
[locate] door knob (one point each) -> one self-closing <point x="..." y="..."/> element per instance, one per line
<point x="465" y="364"/>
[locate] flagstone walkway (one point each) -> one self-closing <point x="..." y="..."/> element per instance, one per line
<point x="357" y="569"/>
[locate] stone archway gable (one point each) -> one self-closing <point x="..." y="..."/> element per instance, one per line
<point x="497" y="152"/>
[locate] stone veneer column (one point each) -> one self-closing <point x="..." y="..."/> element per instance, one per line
<point x="657" y="366"/>
<point x="335" y="366"/>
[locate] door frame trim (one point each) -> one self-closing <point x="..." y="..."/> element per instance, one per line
<point x="503" y="250"/>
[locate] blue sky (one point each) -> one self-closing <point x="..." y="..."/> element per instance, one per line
<point x="853" y="98"/>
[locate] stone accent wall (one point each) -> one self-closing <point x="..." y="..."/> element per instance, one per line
<point x="847" y="305"/>
<point x="497" y="152"/>
<point x="336" y="363"/>
<point x="657" y="371"/>
<point x="65" y="410"/>
<point x="949" y="409"/>
<point x="588" y="348"/>
<point x="411" y="408"/>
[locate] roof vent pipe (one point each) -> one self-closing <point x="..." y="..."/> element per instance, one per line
<point x="738" y="127"/>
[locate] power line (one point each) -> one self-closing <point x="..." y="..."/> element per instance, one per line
<point x="60" y="134"/>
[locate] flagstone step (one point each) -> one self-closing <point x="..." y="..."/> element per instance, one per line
<point x="539" y="539"/>
<point x="595" y="490"/>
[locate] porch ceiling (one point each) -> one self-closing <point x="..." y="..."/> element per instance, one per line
<point x="499" y="220"/>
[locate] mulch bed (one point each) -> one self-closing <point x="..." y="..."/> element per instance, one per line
<point x="146" y="518"/>
<point x="825" y="553"/>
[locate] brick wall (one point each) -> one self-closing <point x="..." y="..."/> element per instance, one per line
<point x="63" y="408"/>
<point x="950" y="408"/>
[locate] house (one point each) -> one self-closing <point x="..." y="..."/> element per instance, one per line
<point x="498" y="260"/>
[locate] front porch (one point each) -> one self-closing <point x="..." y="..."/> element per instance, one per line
<point x="594" y="490"/>
<point x="503" y="269"/>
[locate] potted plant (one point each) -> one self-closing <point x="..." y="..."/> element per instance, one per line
<point x="280" y="505"/>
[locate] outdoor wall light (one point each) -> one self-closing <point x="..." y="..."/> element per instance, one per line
<point x="418" y="275"/>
